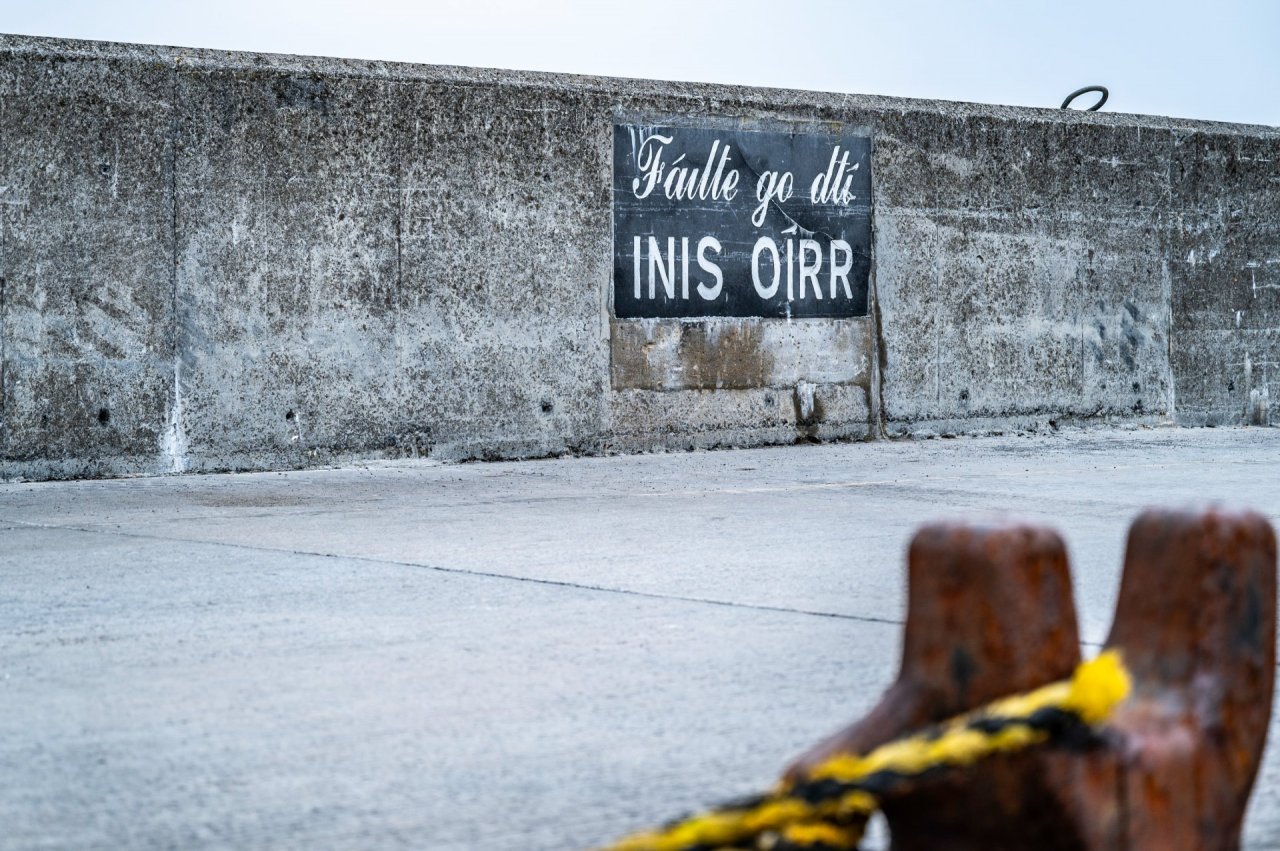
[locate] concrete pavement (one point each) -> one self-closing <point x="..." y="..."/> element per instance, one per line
<point x="532" y="655"/>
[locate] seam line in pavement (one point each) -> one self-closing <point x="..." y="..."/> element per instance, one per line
<point x="461" y="571"/>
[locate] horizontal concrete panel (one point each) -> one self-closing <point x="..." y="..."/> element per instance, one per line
<point x="737" y="354"/>
<point x="1215" y="171"/>
<point x="1225" y="376"/>
<point x="989" y="164"/>
<point x="1226" y="270"/>
<point x="993" y="315"/>
<point x="645" y="420"/>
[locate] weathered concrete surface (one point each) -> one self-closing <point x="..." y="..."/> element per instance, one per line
<point x="1225" y="264"/>
<point x="232" y="261"/>
<point x="506" y="656"/>
<point x="86" y="285"/>
<point x="1022" y="269"/>
<point x="737" y="354"/>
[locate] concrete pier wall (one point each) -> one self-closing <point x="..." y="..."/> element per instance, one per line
<point x="229" y="261"/>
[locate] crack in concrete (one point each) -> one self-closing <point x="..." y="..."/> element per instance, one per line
<point x="462" y="571"/>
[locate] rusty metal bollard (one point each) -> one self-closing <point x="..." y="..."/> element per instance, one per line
<point x="990" y="612"/>
<point x="1196" y="622"/>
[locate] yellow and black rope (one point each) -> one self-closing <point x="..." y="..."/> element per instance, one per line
<point x="826" y="809"/>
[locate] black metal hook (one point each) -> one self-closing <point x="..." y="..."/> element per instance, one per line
<point x="1097" y="106"/>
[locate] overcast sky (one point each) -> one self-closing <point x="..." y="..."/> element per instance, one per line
<point x="1215" y="60"/>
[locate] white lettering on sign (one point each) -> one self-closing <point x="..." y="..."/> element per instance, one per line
<point x="833" y="187"/>
<point x="682" y="183"/>
<point x="809" y="272"/>
<point x="769" y="188"/>
<point x="709" y="293"/>
<point x="805" y="267"/>
<point x="661" y="264"/>
<point x="764" y="243"/>
<point x="840" y="271"/>
<point x="726" y="222"/>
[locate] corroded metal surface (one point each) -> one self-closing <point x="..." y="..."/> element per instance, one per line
<point x="1196" y="620"/>
<point x="991" y="613"/>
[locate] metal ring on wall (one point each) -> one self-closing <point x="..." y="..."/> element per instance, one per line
<point x="1097" y="106"/>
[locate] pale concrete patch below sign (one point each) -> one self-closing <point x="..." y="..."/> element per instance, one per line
<point x="737" y="354"/>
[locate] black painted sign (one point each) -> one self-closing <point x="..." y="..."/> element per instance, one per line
<point x="716" y="222"/>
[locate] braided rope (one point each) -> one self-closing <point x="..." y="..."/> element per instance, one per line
<point x="826" y="809"/>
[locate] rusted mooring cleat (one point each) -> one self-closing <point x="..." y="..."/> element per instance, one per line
<point x="1196" y="622"/>
<point x="990" y="612"/>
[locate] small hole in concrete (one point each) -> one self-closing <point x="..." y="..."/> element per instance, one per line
<point x="288" y="415"/>
<point x="1231" y="385"/>
<point x="1137" y="388"/>
<point x="964" y="395"/>
<point x="106" y="168"/>
<point x="104" y="416"/>
<point x="547" y="407"/>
